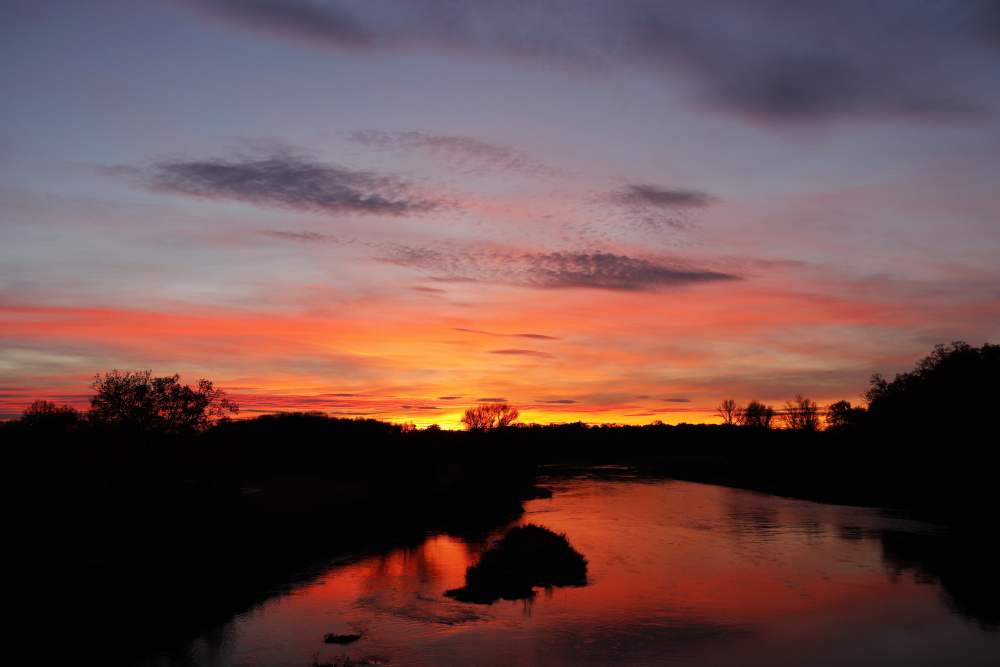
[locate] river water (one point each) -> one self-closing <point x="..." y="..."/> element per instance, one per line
<point x="679" y="574"/>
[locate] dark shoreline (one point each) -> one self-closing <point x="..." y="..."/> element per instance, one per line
<point x="186" y="575"/>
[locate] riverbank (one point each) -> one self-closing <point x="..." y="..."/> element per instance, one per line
<point x="951" y="499"/>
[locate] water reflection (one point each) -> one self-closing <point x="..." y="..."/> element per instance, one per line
<point x="963" y="566"/>
<point x="686" y="573"/>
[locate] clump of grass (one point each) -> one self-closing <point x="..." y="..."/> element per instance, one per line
<point x="526" y="557"/>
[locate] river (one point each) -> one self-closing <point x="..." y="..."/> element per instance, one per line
<point x="679" y="574"/>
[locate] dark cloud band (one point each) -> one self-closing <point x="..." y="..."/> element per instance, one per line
<point x="657" y="197"/>
<point x="554" y="270"/>
<point x="285" y="181"/>
<point x="776" y="60"/>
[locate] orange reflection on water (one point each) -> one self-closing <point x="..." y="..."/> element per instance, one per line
<point x="701" y="574"/>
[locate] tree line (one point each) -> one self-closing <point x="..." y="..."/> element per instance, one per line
<point x="799" y="414"/>
<point x="942" y="395"/>
<point x="139" y="402"/>
<point x="943" y="389"/>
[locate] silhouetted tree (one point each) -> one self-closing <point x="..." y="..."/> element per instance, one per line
<point x="729" y="411"/>
<point x="801" y="414"/>
<point x="489" y="416"/>
<point x="137" y="401"/>
<point x="946" y="395"/>
<point x="842" y="415"/>
<point x="49" y="416"/>
<point x="757" y="415"/>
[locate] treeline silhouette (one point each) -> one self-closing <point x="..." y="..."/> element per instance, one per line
<point x="926" y="437"/>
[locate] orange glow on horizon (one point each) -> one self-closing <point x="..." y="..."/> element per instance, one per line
<point x="413" y="362"/>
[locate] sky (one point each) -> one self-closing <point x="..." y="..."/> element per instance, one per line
<point x="609" y="212"/>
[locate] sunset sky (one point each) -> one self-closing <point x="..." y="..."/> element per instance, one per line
<point x="608" y="211"/>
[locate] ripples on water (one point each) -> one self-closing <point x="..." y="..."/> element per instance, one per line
<point x="679" y="574"/>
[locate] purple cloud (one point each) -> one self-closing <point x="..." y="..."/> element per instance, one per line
<point x="476" y="155"/>
<point x="776" y="60"/>
<point x="639" y="195"/>
<point x="553" y="270"/>
<point x="284" y="180"/>
<point x="324" y="23"/>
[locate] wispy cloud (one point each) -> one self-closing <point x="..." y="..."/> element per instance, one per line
<point x="523" y="353"/>
<point x="503" y="335"/>
<point x="469" y="153"/>
<point x="309" y="237"/>
<point x="676" y="400"/>
<point x="325" y="23"/>
<point x="283" y="179"/>
<point x="653" y="207"/>
<point x="775" y="60"/>
<point x="553" y="270"/>
<point x="644" y="195"/>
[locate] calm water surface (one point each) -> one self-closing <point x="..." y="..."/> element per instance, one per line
<point x="680" y="574"/>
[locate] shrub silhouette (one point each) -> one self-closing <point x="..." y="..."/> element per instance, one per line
<point x="527" y="556"/>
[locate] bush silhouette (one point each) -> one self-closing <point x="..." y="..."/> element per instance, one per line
<point x="527" y="556"/>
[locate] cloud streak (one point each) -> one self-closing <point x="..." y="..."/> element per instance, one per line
<point x="653" y="207"/>
<point x="514" y="335"/>
<point x="307" y="237"/>
<point x="477" y="156"/>
<point x="523" y="353"/>
<point x="555" y="270"/>
<point x="641" y="195"/>
<point x="325" y="23"/>
<point x="776" y="60"/>
<point x="283" y="180"/>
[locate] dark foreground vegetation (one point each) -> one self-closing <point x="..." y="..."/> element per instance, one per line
<point x="142" y="529"/>
<point x="157" y="515"/>
<point x="526" y="557"/>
